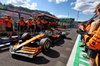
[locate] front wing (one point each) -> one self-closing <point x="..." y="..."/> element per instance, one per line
<point x="29" y="52"/>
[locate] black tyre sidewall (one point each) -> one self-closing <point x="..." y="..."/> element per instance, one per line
<point x="43" y="44"/>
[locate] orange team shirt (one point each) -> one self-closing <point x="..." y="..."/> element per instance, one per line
<point x="53" y="22"/>
<point x="29" y="23"/>
<point x="50" y="23"/>
<point x="38" y="23"/>
<point x="21" y="22"/>
<point x="5" y="18"/>
<point x="42" y="21"/>
<point x="86" y="25"/>
<point x="57" y="23"/>
<point x="33" y="21"/>
<point x="88" y="28"/>
<point x="46" y="22"/>
<point x="8" y="24"/>
<point x="64" y="25"/>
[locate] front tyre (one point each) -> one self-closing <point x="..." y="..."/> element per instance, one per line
<point x="45" y="43"/>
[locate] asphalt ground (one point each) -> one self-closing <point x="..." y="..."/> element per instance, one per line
<point x="57" y="56"/>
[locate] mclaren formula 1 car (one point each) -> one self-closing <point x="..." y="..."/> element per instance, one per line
<point x="30" y="46"/>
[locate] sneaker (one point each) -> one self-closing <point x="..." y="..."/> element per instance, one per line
<point x="82" y="46"/>
<point x="86" y="57"/>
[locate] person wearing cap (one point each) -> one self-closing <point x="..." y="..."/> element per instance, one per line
<point x="22" y="24"/>
<point x="8" y="20"/>
<point x="29" y="23"/>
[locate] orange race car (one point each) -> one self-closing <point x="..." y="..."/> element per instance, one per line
<point x="30" y="46"/>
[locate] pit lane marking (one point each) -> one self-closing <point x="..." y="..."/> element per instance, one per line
<point x="72" y="55"/>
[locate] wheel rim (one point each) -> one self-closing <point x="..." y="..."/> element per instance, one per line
<point x="47" y="46"/>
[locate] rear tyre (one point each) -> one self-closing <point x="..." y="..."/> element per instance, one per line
<point x="25" y="36"/>
<point x="45" y="43"/>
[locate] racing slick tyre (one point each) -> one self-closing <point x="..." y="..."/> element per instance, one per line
<point x="45" y="43"/>
<point x="64" y="34"/>
<point x="25" y="36"/>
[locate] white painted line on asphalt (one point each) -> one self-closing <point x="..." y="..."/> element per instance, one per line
<point x="84" y="61"/>
<point x="73" y="53"/>
<point x="81" y="64"/>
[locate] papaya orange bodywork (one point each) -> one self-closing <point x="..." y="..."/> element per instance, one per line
<point x="28" y="50"/>
<point x="30" y="40"/>
<point x="38" y="50"/>
<point x="54" y="36"/>
<point x="16" y="44"/>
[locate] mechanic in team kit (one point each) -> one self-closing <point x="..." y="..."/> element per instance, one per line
<point x="22" y="24"/>
<point x="8" y="20"/>
<point x="33" y="25"/>
<point x="29" y="24"/>
<point x="38" y="26"/>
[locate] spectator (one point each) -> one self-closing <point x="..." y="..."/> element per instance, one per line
<point x="93" y="41"/>
<point x="85" y="29"/>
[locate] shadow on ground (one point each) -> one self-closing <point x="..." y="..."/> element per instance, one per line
<point x="68" y="38"/>
<point x="38" y="59"/>
<point x="52" y="54"/>
<point x="60" y="42"/>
